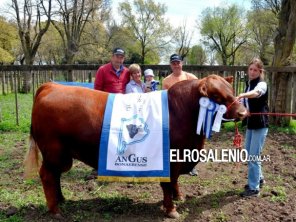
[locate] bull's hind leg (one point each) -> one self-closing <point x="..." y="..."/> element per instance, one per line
<point x="50" y="173"/>
<point x="52" y="188"/>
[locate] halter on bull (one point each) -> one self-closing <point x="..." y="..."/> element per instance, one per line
<point x="67" y="122"/>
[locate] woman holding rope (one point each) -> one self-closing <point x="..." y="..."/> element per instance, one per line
<point x="255" y="99"/>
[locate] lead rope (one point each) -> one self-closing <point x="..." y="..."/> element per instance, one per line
<point x="237" y="143"/>
<point x="237" y="140"/>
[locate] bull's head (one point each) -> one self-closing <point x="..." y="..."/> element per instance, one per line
<point x="220" y="90"/>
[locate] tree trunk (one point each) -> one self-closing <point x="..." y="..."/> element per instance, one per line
<point x="283" y="44"/>
<point x="27" y="77"/>
<point x="27" y="82"/>
<point x="293" y="83"/>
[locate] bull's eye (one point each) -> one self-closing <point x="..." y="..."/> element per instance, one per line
<point x="216" y="98"/>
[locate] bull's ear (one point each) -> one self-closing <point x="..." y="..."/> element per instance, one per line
<point x="229" y="79"/>
<point x="203" y="89"/>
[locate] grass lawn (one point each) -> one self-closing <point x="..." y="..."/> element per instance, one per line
<point x="8" y="112"/>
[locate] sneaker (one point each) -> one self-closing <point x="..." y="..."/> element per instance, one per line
<point x="250" y="193"/>
<point x="261" y="184"/>
<point x="193" y="172"/>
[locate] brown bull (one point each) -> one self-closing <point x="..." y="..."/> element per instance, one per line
<point x="67" y="122"/>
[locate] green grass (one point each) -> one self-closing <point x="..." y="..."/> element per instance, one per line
<point x="279" y="193"/>
<point x="230" y="126"/>
<point x="14" y="218"/>
<point x="8" y="112"/>
<point x="291" y="129"/>
<point x="221" y="217"/>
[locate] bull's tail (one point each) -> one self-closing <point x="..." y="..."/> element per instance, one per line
<point x="32" y="160"/>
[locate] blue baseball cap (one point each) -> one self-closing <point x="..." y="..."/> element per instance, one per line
<point x="118" y="51"/>
<point x="175" y="57"/>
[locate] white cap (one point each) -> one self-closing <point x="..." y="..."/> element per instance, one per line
<point x="148" y="72"/>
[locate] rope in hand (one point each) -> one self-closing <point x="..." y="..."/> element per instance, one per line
<point x="237" y="140"/>
<point x="269" y="114"/>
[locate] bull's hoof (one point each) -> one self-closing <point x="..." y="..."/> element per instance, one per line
<point x="179" y="198"/>
<point x="58" y="216"/>
<point x="163" y="208"/>
<point x="173" y="214"/>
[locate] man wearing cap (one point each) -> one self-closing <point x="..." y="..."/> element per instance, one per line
<point x="178" y="74"/>
<point x="113" y="77"/>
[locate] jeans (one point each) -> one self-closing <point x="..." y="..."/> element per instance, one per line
<point x="254" y="143"/>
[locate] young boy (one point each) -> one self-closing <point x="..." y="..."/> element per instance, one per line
<point x="150" y="83"/>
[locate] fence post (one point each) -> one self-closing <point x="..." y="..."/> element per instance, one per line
<point x="3" y="83"/>
<point x="16" y="100"/>
<point x="89" y="77"/>
<point x="33" y="83"/>
<point x="7" y="83"/>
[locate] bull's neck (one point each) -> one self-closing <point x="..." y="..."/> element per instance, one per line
<point x="185" y="100"/>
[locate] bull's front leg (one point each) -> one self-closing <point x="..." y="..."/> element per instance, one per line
<point x="168" y="204"/>
<point x="52" y="189"/>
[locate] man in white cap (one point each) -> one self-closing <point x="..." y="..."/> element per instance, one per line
<point x="150" y="83"/>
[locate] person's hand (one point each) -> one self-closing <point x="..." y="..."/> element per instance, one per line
<point x="240" y="96"/>
<point x="147" y="90"/>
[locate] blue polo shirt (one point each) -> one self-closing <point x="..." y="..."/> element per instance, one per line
<point x="133" y="87"/>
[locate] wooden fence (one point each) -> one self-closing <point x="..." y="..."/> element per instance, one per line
<point x="12" y="76"/>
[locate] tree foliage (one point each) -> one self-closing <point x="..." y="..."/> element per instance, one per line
<point x="224" y="31"/>
<point x="267" y="5"/>
<point x="197" y="56"/>
<point x="148" y="24"/>
<point x="71" y="18"/>
<point x="183" y="38"/>
<point x="8" y="42"/>
<point x="51" y="48"/>
<point x="262" y="24"/>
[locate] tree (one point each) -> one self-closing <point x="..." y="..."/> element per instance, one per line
<point x="197" y="56"/>
<point x="262" y="24"/>
<point x="183" y="39"/>
<point x="268" y="5"/>
<point x="31" y="30"/>
<point x="224" y="31"/>
<point x="114" y="36"/>
<point x="284" y="41"/>
<point x="8" y="41"/>
<point x="72" y="17"/>
<point x="51" y="47"/>
<point x="146" y="20"/>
